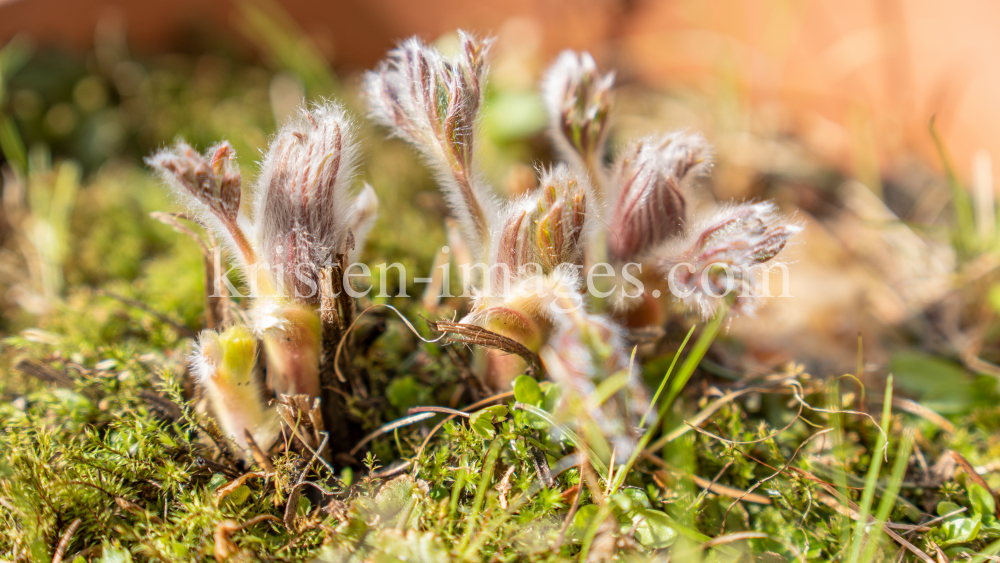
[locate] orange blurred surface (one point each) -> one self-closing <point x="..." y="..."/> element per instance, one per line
<point x="857" y="79"/>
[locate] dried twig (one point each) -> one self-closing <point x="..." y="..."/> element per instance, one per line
<point x="64" y="542"/>
<point x="973" y="475"/>
<point x="715" y="488"/>
<point x="258" y="455"/>
<point x="45" y="373"/>
<point x="472" y="334"/>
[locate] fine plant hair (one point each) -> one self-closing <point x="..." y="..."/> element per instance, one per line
<point x="722" y="254"/>
<point x="210" y="186"/>
<point x="433" y="102"/>
<point x="579" y="99"/>
<point x="301" y="206"/>
<point x="651" y="179"/>
<point x="305" y="226"/>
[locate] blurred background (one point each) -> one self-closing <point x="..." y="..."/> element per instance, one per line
<point x="823" y="105"/>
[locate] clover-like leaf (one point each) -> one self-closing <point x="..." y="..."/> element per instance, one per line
<point x="481" y="422"/>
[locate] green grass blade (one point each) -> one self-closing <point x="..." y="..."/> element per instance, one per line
<point x="965" y="224"/>
<point x="871" y="479"/>
<point x="600" y="466"/>
<point x="666" y="377"/>
<point x="647" y="436"/>
<point x="691" y="362"/>
<point x="987" y="553"/>
<point x="888" y="500"/>
<point x="11" y="144"/>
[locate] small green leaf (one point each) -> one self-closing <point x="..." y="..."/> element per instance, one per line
<point x="526" y="390"/>
<point x="638" y="496"/>
<point x="239" y="496"/>
<point x="653" y="528"/>
<point x="624" y="502"/>
<point x="584" y="517"/>
<point x="481" y="422"/>
<point x="982" y="500"/>
<point x="946" y="507"/>
<point x="960" y="530"/>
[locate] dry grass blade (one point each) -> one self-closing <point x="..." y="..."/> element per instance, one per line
<point x="258" y="455"/>
<point x="715" y="488"/>
<point x="834" y="500"/>
<point x="386" y="428"/>
<point x="45" y="373"/>
<point x="473" y="406"/>
<point x="787" y="464"/>
<point x="472" y="334"/>
<point x="64" y="542"/>
<point x="916" y="408"/>
<point x="227" y="489"/>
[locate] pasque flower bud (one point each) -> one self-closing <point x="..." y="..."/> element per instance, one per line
<point x="303" y="210"/>
<point x="545" y="228"/>
<point x="211" y="185"/>
<point x="713" y="263"/>
<point x="304" y="219"/>
<point x="433" y="102"/>
<point x="579" y="101"/>
<point x="224" y="367"/>
<point x="648" y="202"/>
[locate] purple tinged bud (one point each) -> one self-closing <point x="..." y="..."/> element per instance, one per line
<point x="210" y="184"/>
<point x="579" y="101"/>
<point x="648" y="202"/>
<point x="211" y="180"/>
<point x="303" y="209"/>
<point x="433" y="102"/>
<point x="548" y="226"/>
<point x="561" y="224"/>
<point x="713" y="262"/>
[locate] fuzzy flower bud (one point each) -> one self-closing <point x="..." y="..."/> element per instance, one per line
<point x="303" y="210"/>
<point x="224" y="367"/>
<point x="714" y="262"/>
<point x="584" y="352"/>
<point x="209" y="183"/>
<point x="545" y="228"/>
<point x="292" y="338"/>
<point x="579" y="101"/>
<point x="648" y="202"/>
<point x="433" y="103"/>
